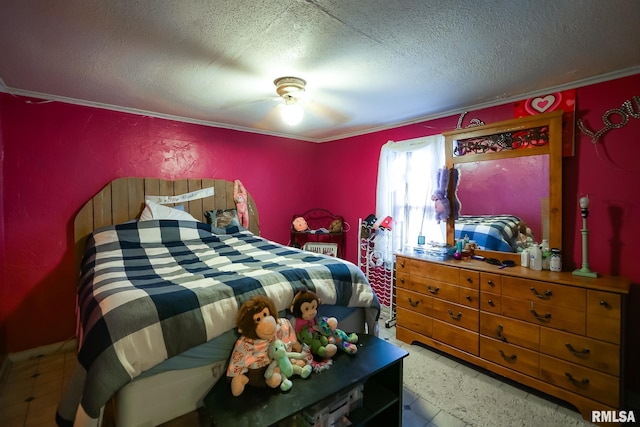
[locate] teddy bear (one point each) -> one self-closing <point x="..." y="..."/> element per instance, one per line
<point x="345" y="342"/>
<point x="281" y="359"/>
<point x="257" y="322"/>
<point x="304" y="309"/>
<point x="240" y="198"/>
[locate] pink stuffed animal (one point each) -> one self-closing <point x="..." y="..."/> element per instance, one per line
<point x="240" y="197"/>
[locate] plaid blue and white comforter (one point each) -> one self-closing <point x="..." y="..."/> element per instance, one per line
<point x="153" y="289"/>
<point x="491" y="232"/>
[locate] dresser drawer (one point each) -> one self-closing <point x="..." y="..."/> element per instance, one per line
<point x="469" y="279"/>
<point x="605" y="304"/>
<point x="549" y="293"/>
<point x="403" y="265"/>
<point x="510" y="331"/>
<point x="491" y="302"/>
<point x="544" y="314"/>
<point x="414" y="301"/>
<point x="469" y="297"/>
<point x="490" y="282"/>
<point x="604" y="316"/>
<point x="416" y="322"/>
<point x="431" y="287"/>
<point x="578" y="379"/>
<point x="403" y="280"/>
<point x="513" y="357"/>
<point x="456" y="314"/>
<point x="581" y="350"/>
<point x="456" y="337"/>
<point x="431" y="270"/>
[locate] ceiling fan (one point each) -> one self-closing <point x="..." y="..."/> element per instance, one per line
<point x="291" y="89"/>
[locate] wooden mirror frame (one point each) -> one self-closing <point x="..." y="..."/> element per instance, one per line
<point x="551" y="120"/>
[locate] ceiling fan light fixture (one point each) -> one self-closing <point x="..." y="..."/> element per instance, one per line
<point x="292" y="112"/>
<point x="290" y="88"/>
<point x="289" y="85"/>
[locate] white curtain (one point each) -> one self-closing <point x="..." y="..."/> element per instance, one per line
<point x="406" y="182"/>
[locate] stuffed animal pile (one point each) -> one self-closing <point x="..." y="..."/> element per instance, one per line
<point x="270" y="349"/>
<point x="259" y="326"/>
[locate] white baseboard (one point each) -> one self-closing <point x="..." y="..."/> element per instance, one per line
<point x="68" y="345"/>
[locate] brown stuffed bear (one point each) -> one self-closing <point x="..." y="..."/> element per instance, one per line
<point x="257" y="323"/>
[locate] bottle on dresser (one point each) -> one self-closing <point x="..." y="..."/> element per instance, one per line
<point x="535" y="257"/>
<point x="546" y="254"/>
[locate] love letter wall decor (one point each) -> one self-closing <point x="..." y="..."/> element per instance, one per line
<point x="565" y="101"/>
<point x="623" y="113"/>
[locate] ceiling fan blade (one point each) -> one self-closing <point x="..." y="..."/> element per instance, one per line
<point x="324" y="111"/>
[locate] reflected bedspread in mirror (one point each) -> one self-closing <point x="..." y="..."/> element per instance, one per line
<point x="509" y="186"/>
<point x="513" y="195"/>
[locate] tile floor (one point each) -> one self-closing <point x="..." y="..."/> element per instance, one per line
<point x="29" y="395"/>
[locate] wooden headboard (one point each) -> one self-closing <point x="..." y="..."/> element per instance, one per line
<point x="123" y="199"/>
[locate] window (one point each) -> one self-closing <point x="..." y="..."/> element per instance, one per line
<point x="406" y="181"/>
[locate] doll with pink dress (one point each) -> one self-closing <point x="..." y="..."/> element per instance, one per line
<point x="240" y="197"/>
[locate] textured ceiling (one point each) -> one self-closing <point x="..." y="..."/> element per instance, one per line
<point x="369" y="65"/>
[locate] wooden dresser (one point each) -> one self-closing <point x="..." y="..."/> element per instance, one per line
<point x="555" y="332"/>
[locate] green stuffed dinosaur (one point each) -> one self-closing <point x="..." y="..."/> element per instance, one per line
<point x="280" y="359"/>
<point x="318" y="343"/>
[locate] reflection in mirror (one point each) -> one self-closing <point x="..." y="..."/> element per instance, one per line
<point x="508" y="168"/>
<point x="514" y="191"/>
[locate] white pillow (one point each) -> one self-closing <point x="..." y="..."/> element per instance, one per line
<point x="155" y="211"/>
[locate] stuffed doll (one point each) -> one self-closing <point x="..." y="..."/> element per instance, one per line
<point x="345" y="342"/>
<point x="440" y="196"/>
<point x="257" y="323"/>
<point x="281" y="361"/>
<point x="300" y="224"/>
<point x="304" y="309"/>
<point x="240" y="197"/>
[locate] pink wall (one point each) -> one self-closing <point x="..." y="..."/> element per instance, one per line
<point x="56" y="155"/>
<point x="608" y="171"/>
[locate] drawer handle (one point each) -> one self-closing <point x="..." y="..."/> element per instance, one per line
<point x="433" y="290"/>
<point x="499" y="333"/>
<point x="402" y="280"/>
<point x="468" y="297"/>
<point x="546" y="295"/>
<point x="491" y="303"/>
<point x="604" y="303"/>
<point x="583" y="353"/>
<point x="544" y="318"/>
<point x="455" y="316"/>
<point x="413" y="303"/>
<point x="469" y="279"/>
<point x="511" y="358"/>
<point x="402" y="264"/>
<point x="579" y="383"/>
<point x="490" y="283"/>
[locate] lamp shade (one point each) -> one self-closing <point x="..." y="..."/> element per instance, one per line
<point x="292" y="113"/>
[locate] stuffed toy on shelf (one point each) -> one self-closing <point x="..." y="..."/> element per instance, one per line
<point x="304" y="309"/>
<point x="329" y="328"/>
<point x="281" y="361"/>
<point x="259" y="325"/>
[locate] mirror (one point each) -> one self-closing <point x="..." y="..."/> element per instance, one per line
<point x="507" y="173"/>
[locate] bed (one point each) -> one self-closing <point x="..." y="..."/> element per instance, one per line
<point x="157" y="298"/>
<point x="490" y="232"/>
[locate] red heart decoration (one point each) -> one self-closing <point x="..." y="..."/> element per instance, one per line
<point x="542" y="104"/>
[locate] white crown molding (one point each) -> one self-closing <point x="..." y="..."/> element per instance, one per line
<point x="567" y="86"/>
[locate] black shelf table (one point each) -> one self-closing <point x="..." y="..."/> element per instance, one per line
<point x="377" y="366"/>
